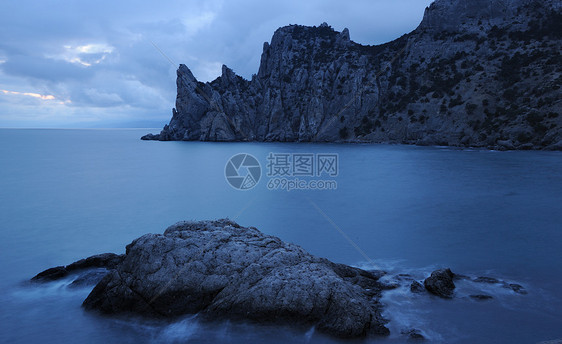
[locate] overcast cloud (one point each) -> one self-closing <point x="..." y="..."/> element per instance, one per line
<point x="93" y="64"/>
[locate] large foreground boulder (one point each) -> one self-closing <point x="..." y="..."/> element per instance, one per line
<point x="222" y="270"/>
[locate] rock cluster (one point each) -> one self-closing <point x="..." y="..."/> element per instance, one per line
<point x="221" y="270"/>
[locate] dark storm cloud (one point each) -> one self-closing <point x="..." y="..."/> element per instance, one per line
<point x="98" y="62"/>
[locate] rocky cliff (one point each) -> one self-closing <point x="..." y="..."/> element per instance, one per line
<point x="483" y="73"/>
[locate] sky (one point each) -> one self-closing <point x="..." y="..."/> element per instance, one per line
<point x="101" y="64"/>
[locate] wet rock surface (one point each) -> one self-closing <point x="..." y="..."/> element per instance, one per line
<point x="441" y="283"/>
<point x="104" y="260"/>
<point x="222" y="270"/>
<point x="481" y="297"/>
<point x="490" y="280"/>
<point x="89" y="278"/>
<point x="413" y="335"/>
<point x="417" y="287"/>
<point x="519" y="289"/>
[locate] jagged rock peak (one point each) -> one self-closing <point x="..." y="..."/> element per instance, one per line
<point x="344" y="34"/>
<point x="185" y="73"/>
<point x="228" y="76"/>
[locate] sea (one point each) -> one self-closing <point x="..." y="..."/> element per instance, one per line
<point x="67" y="194"/>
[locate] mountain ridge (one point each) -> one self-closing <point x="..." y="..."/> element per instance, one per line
<point x="483" y="74"/>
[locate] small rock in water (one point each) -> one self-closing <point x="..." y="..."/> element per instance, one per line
<point x="481" y="297"/>
<point x="416" y="287"/>
<point x="490" y="280"/>
<point x="413" y="334"/>
<point x="440" y="283"/>
<point x="519" y="289"/>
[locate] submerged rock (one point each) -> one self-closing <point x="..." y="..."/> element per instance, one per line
<point x="222" y="270"/>
<point x="485" y="279"/>
<point x="519" y="289"/>
<point x="481" y="297"/>
<point x="414" y="334"/>
<point x="416" y="287"/>
<point x="441" y="283"/>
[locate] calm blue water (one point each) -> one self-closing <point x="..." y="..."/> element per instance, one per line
<point x="67" y="194"/>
